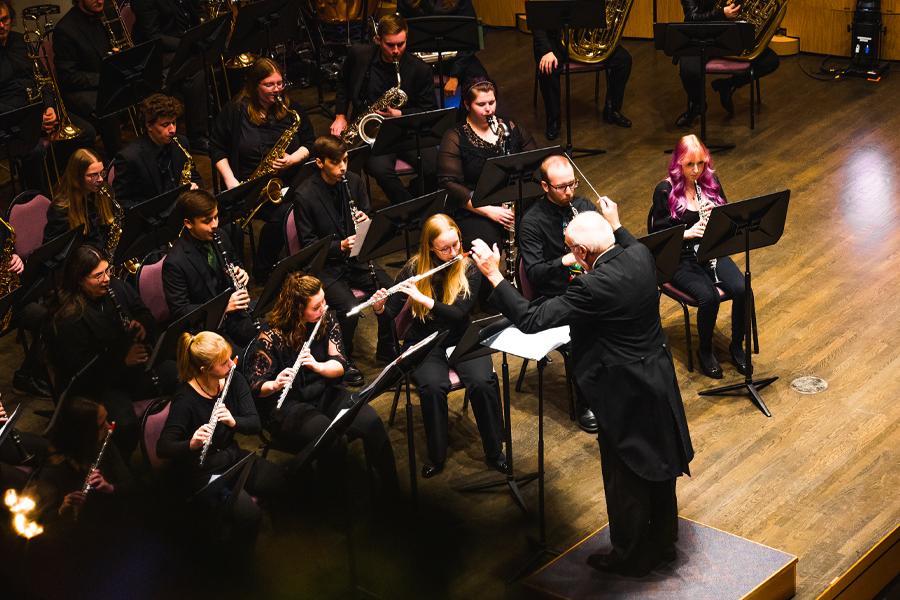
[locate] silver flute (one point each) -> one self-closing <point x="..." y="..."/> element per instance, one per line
<point x="96" y="464"/>
<point x="306" y="345"/>
<point x="213" y="419"/>
<point x="396" y="288"/>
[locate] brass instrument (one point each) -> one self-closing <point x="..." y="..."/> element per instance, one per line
<point x="118" y="42"/>
<point x="766" y="16"/>
<point x="306" y="345"/>
<point x="115" y="229"/>
<point x="43" y="73"/>
<point x="596" y="45"/>
<point x="393" y="98"/>
<point x="213" y="419"/>
<point x="185" y="178"/>
<point x="272" y="192"/>
<point x="8" y="280"/>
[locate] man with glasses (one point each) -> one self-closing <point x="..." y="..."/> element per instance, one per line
<point x="320" y="209"/>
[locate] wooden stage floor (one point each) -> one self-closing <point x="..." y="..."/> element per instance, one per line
<point x="819" y="480"/>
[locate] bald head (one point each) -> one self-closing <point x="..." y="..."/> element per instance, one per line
<point x="592" y="231"/>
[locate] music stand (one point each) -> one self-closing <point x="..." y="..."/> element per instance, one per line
<point x="310" y="260"/>
<point x="746" y="225"/>
<point x="444" y="34"/>
<point x="469" y="347"/>
<point x="127" y="77"/>
<point x="665" y="246"/>
<point x="263" y="25"/>
<point x="383" y="237"/>
<point x="411" y="132"/>
<point x="238" y="202"/>
<point x="145" y="226"/>
<point x="356" y="159"/>
<point x="20" y="130"/>
<point x="7" y="301"/>
<point x="208" y="317"/>
<point x="39" y="275"/>
<point x="227" y="486"/>
<point x="704" y="40"/>
<point x="564" y="14"/>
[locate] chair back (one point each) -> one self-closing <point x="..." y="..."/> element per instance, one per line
<point x="403" y="321"/>
<point x="524" y="285"/>
<point x="112" y="174"/>
<point x="127" y="17"/>
<point x="28" y="216"/>
<point x="291" y="239"/>
<point x="150" y="287"/>
<point x="151" y="428"/>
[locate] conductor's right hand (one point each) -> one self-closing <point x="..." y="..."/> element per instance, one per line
<point x="347" y="244"/>
<point x="137" y="355"/>
<point x="339" y="124"/>
<point x="548" y="63"/>
<point x="238" y="301"/>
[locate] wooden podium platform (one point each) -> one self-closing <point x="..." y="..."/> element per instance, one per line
<point x="711" y="565"/>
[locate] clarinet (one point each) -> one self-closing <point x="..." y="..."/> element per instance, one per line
<point x="500" y="129"/>
<point x="704" y="218"/>
<point x="306" y="345"/>
<point x="345" y="186"/>
<point x="96" y="464"/>
<point x="231" y="270"/>
<point x="213" y="419"/>
<point x="126" y="324"/>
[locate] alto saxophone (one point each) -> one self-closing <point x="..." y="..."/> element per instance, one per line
<point x="393" y="98"/>
<point x="188" y="164"/>
<point x="272" y="193"/>
<point x="8" y="280"/>
<point x="115" y="229"/>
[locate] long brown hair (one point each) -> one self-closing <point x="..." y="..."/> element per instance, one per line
<point x="287" y="316"/>
<point x="455" y="280"/>
<point x="71" y="298"/>
<point x="262" y="68"/>
<point x="73" y="195"/>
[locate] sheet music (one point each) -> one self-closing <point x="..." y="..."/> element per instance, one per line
<point x="384" y="371"/>
<point x="361" y="230"/>
<point x="9" y="419"/>
<point x="450" y="351"/>
<point x="533" y="346"/>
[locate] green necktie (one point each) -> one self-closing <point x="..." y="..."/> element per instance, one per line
<point x="211" y="256"/>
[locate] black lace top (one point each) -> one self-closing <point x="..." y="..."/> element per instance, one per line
<point x="463" y="153"/>
<point x="271" y="355"/>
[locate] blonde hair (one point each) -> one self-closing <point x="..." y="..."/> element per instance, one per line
<point x="73" y="195"/>
<point x="455" y="280"/>
<point x="202" y="350"/>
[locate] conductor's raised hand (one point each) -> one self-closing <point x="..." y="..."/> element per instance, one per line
<point x="610" y="212"/>
<point x="487" y="260"/>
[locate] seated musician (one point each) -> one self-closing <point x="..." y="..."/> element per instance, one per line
<point x="248" y="128"/>
<point x="14" y="452"/>
<point x="675" y="202"/>
<point x="442" y="302"/>
<point x="78" y="202"/>
<point x="464" y="151"/>
<point x="103" y="339"/>
<point x="465" y="65"/>
<point x="167" y="21"/>
<point x="194" y="271"/>
<point x="153" y="163"/>
<point x="80" y="43"/>
<point x="320" y="209"/>
<point x="16" y="78"/>
<point x="204" y="363"/>
<point x="549" y="264"/>
<point x="368" y="73"/>
<point x="316" y="393"/>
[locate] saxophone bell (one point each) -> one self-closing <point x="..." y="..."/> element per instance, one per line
<point x="367" y="124"/>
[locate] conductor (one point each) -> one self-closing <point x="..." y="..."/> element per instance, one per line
<point x="623" y="363"/>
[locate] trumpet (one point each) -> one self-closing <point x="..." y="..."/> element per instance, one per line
<point x="213" y="419"/>
<point x="396" y="288"/>
<point x="306" y="345"/>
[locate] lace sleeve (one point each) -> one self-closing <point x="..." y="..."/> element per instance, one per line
<point x="450" y="171"/>
<point x="262" y="365"/>
<point x="336" y="344"/>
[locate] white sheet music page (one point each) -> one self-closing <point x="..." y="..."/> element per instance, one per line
<point x="533" y="346"/>
<point x="361" y="230"/>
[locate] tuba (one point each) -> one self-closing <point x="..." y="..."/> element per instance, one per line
<point x="393" y="98"/>
<point x="596" y="45"/>
<point x="272" y="192"/>
<point x="8" y="280"/>
<point x="766" y="16"/>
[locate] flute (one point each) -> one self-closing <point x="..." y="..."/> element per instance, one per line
<point x="306" y="344"/>
<point x="96" y="464"/>
<point x="396" y="288"/>
<point x="214" y="420"/>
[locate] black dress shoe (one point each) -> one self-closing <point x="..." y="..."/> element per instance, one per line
<point x="352" y="376"/>
<point x="725" y="87"/>
<point x="738" y="357"/>
<point x="199" y="145"/>
<point x="586" y="419"/>
<point x="30" y="385"/>
<point x="498" y="462"/>
<point x="385" y="353"/>
<point x="553" y="126"/>
<point x="614" y="117"/>
<point x="709" y="366"/>
<point x="430" y="470"/>
<point x="687" y="117"/>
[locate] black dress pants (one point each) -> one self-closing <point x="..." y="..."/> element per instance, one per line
<point x="432" y="381"/>
<point x="697" y="280"/>
<point x="383" y="170"/>
<point x="767" y="62"/>
<point x="271" y="236"/>
<point x="643" y="514"/>
<point x="619" y="66"/>
<point x="340" y="298"/>
<point x="29" y="318"/>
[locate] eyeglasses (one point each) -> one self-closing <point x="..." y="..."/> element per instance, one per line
<point x="6" y="20"/>
<point x="571" y="248"/>
<point x="562" y="188"/>
<point x="108" y="272"/>
<point x="274" y="86"/>
<point x="446" y="249"/>
<point x="95" y="176"/>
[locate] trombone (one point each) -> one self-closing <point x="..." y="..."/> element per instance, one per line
<point x="118" y="42"/>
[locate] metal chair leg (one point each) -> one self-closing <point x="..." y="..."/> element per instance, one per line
<point x="522" y="370"/>
<point x="687" y="336"/>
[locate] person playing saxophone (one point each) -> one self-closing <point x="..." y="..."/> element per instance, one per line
<point x="249" y="126"/>
<point x="369" y="71"/>
<point x="158" y="160"/>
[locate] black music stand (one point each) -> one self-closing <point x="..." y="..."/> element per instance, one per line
<point x="227" y="486"/>
<point x="238" y="202"/>
<point x="317" y="53"/>
<point x="443" y="34"/>
<point x="383" y="237"/>
<point x="145" y="226"/>
<point x="20" y="130"/>
<point x="208" y="317"/>
<point x="469" y="347"/>
<point x="356" y="159"/>
<point x="7" y="301"/>
<point x="744" y="226"/>
<point x="309" y="260"/>
<point x="127" y="77"/>
<point x="565" y="15"/>
<point x="412" y="132"/>
<point x="262" y="26"/>
<point x="665" y="246"/>
<point x="704" y="40"/>
<point x="39" y="275"/>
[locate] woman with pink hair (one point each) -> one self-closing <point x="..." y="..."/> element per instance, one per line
<point x="692" y="185"/>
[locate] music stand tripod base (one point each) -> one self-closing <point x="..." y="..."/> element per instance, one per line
<point x="749" y="385"/>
